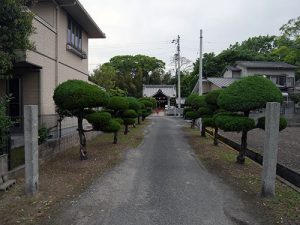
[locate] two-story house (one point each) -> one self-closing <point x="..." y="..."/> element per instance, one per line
<point x="280" y="73"/>
<point x="62" y="31"/>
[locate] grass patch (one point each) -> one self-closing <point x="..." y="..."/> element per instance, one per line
<point x="246" y="180"/>
<point x="64" y="177"/>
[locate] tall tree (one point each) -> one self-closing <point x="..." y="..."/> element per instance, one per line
<point x="134" y="71"/>
<point x="289" y="44"/>
<point x="15" y="30"/>
<point x="104" y="76"/>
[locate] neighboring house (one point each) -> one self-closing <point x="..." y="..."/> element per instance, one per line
<point x="162" y="93"/>
<point x="62" y="30"/>
<point x="280" y="73"/>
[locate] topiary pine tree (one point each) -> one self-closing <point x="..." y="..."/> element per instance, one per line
<point x="249" y="93"/>
<point x="148" y="107"/>
<point x="128" y="117"/>
<point x="211" y="100"/>
<point x="135" y="105"/>
<point x="73" y="97"/>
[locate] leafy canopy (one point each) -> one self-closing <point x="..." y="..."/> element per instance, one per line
<point x="76" y="95"/>
<point x="15" y="30"/>
<point x="248" y="94"/>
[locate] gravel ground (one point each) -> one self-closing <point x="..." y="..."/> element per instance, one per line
<point x="288" y="149"/>
<point x="160" y="183"/>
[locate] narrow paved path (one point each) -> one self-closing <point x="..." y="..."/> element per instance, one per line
<point x="160" y="183"/>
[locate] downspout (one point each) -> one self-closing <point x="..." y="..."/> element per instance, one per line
<point x="57" y="46"/>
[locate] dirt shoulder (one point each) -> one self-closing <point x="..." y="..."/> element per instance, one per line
<point x="246" y="181"/>
<point x="65" y="177"/>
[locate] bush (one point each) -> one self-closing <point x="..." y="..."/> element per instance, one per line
<point x="134" y="104"/>
<point x="282" y="123"/>
<point x="208" y="122"/>
<point x="43" y="134"/>
<point x="185" y="110"/>
<point x="118" y="103"/>
<point x="130" y="113"/>
<point x="212" y="97"/>
<point x="190" y="98"/>
<point x="129" y="121"/>
<point x="248" y="94"/>
<point x="192" y="115"/>
<point x="119" y="120"/>
<point x="204" y="111"/>
<point x="113" y="126"/>
<point x="146" y="103"/>
<point x="235" y="123"/>
<point x="99" y="120"/>
<point x="198" y="102"/>
<point x="5" y="122"/>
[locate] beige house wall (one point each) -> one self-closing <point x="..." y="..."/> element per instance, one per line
<point x="273" y="72"/>
<point x="46" y="10"/>
<point x="208" y="87"/>
<point x="67" y="57"/>
<point x="66" y="66"/>
<point x="227" y="74"/>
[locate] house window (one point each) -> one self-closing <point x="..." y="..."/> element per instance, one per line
<point x="281" y="80"/>
<point x="74" y="34"/>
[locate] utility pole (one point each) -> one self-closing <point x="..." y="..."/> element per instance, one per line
<point x="178" y="75"/>
<point x="178" y="63"/>
<point x="200" y="65"/>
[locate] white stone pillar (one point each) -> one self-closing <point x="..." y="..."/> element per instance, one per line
<point x="31" y="148"/>
<point x="270" y="149"/>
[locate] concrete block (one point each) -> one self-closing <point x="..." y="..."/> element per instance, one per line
<point x="8" y="184"/>
<point x="270" y="149"/>
<point x="31" y="148"/>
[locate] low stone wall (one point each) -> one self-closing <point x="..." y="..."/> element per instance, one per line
<point x="48" y="149"/>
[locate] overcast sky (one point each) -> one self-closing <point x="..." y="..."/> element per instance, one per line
<point x="148" y="26"/>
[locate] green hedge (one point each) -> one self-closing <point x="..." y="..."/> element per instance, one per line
<point x="77" y="94"/>
<point x="118" y="103"/>
<point x="99" y="120"/>
<point x="282" y="123"/>
<point x="208" y="122"/>
<point x="113" y="126"/>
<point x="234" y="122"/>
<point x="130" y="113"/>
<point x="192" y="115"/>
<point x="249" y="93"/>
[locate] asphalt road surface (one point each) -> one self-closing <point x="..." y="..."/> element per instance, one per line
<point x="159" y="183"/>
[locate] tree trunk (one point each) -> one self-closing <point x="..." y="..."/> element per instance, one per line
<point x="82" y="140"/>
<point x="241" y="157"/>
<point x="203" y="131"/>
<point x="216" y="136"/>
<point x="126" y="129"/>
<point x="139" y="121"/>
<point x="115" y="137"/>
<point x="143" y="118"/>
<point x="193" y="124"/>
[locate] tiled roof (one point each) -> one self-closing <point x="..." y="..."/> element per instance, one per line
<point x="232" y="68"/>
<point x="151" y="90"/>
<point x="221" y="82"/>
<point x="262" y="64"/>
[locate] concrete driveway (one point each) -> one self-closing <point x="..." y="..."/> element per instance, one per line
<point x="159" y="183"/>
